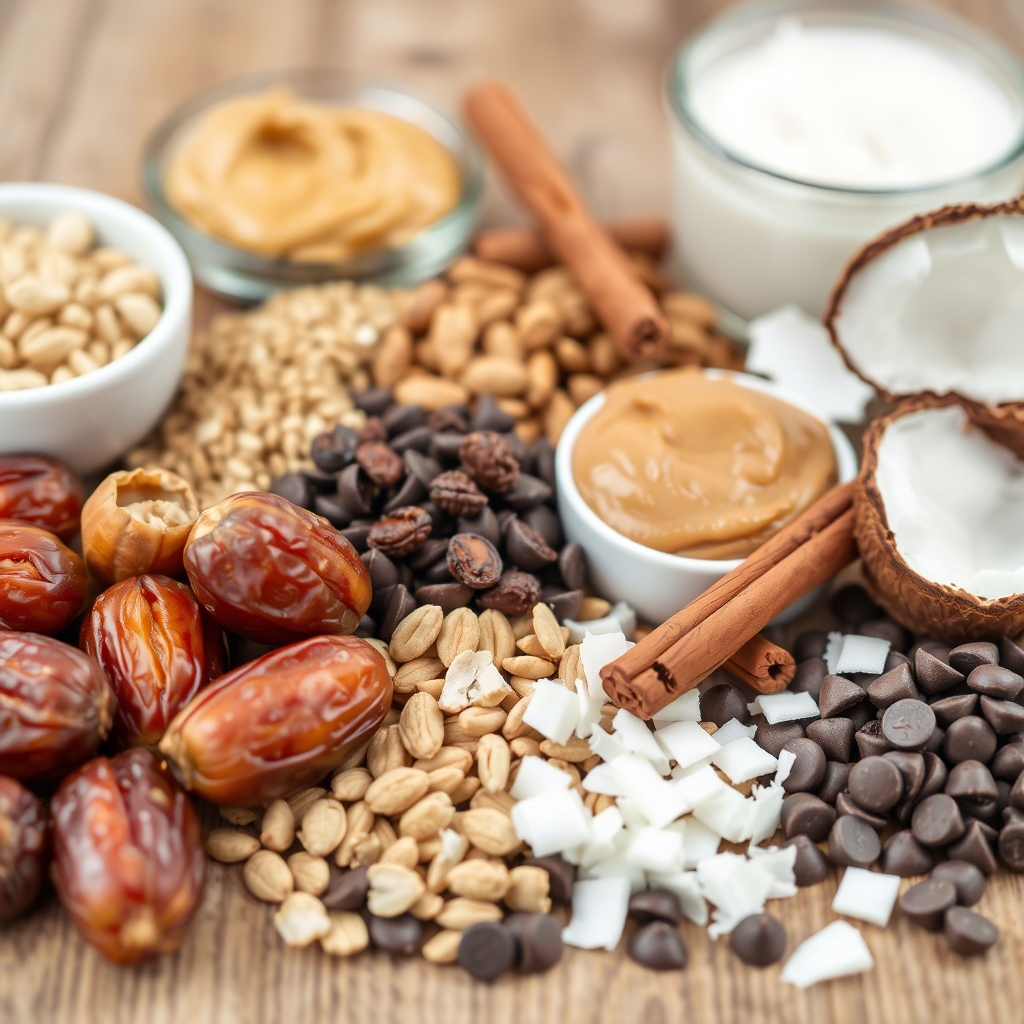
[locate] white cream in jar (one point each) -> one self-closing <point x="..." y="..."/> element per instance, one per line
<point x="801" y="131"/>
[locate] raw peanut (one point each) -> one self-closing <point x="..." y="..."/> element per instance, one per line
<point x="528" y="430"/>
<point x="573" y="751"/>
<point x="393" y="889"/>
<point x="498" y="801"/>
<point x="41" y="492"/>
<point x="280" y="722"/>
<point x="427" y="816"/>
<point x="496" y="635"/>
<point x="443" y="948"/>
<point x="21" y="380"/>
<point x="514" y="725"/>
<point x="240" y="816"/>
<point x="351" y="784"/>
<point x="157" y="647"/>
<point x="455" y="734"/>
<point x="547" y="631"/>
<point x="299" y="803"/>
<point x="528" y="890"/>
<point x="311" y="874"/>
<point x="384" y="651"/>
<point x="495" y="375"/>
<point x="570" y="668"/>
<point x="570" y="769"/>
<point x="460" y="913"/>
<point x="71" y="233"/>
<point x="391" y="717"/>
<point x="452" y="333"/>
<point x="480" y="879"/>
<point x="274" y="572"/>
<point x="502" y="339"/>
<point x="421" y="726"/>
<point x="593" y="608"/>
<point x="420" y="304"/>
<point x="347" y="936"/>
<point x="430" y="848"/>
<point x="460" y="632"/>
<point x="356" y="758"/>
<point x="301" y="919"/>
<point x="591" y="763"/>
<point x="687" y="306"/>
<point x="493" y="759"/>
<point x="427" y="907"/>
<point x="530" y="645"/>
<point x="129" y="864"/>
<point x="397" y="790"/>
<point x="495" y="275"/>
<point x="360" y="822"/>
<point x="393" y="357"/>
<point x="414" y="635"/>
<point x="420" y="670"/>
<point x="523" y="746"/>
<point x="559" y="411"/>
<point x="465" y="790"/>
<point x="522" y="685"/>
<point x="583" y="386"/>
<point x="572" y="356"/>
<point x="323" y="827"/>
<point x="46" y="349"/>
<point x="76" y="315"/>
<point x="129" y="278"/>
<point x="230" y="846"/>
<point x="515" y="407"/>
<point x="404" y="851"/>
<point x="496" y="305"/>
<point x="446" y="757"/>
<point x="277" y="831"/>
<point x="434" y="687"/>
<point x="385" y="832"/>
<point x="36" y="297"/>
<point x="490" y="830"/>
<point x="477" y="721"/>
<point x="445" y="780"/>
<point x="522" y="625"/>
<point x="430" y="392"/>
<point x="24" y="848"/>
<point x="539" y="324"/>
<point x="140" y="313"/>
<point x="386" y="752"/>
<point x="542" y="378"/>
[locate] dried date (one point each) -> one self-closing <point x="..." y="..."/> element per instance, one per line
<point x="274" y="572"/>
<point x="55" y="706"/>
<point x="279" y="723"/>
<point x="129" y="863"/>
<point x="474" y="561"/>
<point x="158" y="647"/>
<point x="401" y="532"/>
<point x="24" y="848"/>
<point x="40" y="491"/>
<point x="42" y="583"/>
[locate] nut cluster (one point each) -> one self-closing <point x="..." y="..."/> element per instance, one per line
<point x="68" y="306"/>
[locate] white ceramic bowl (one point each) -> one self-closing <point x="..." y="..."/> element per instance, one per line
<point x="91" y="420"/>
<point x="655" y="583"/>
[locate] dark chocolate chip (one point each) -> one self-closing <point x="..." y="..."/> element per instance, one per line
<point x="897" y="684"/>
<point x="484" y="524"/>
<point x="422" y="467"/>
<point x="488" y="415"/>
<point x="810" y="644"/>
<point x="1008" y="761"/>
<point x="487" y="950"/>
<point x="293" y="487"/>
<point x="358" y="535"/>
<point x="416" y="439"/>
<point x="333" y="450"/>
<point x="876" y="784"/>
<point x="852" y="605"/>
<point x="1005" y="716"/>
<point x="367" y="628"/>
<point x="400" y="418"/>
<point x="912" y="768"/>
<point x="903" y="855"/>
<point x="808" y="677"/>
<point x="1011" y="656"/>
<point x="949" y="709"/>
<point x="853" y="842"/>
<point x="968" y="933"/>
<point x="934" y="675"/>
<point x="373" y="401"/>
<point x="451" y="418"/>
<point x="908" y="724"/>
<point x="837" y="777"/>
<point x="804" y="814"/>
<point x="995" y="681"/>
<point x="655" y="905"/>
<point x="774" y="737"/>
<point x="444" y="447"/>
<point x="658" y="946"/>
<point x="935" y="775"/>
<point x="527" y="492"/>
<point x="566" y="604"/>
<point x="834" y="736"/>
<point x="383" y="572"/>
<point x="971" y="780"/>
<point x="935" y="741"/>
<point x="811" y="865"/>
<point x="526" y="548"/>
<point x="967" y="657"/>
<point x="974" y="850"/>
<point x="871" y="740"/>
<point x="561" y="876"/>
<point x="349" y="892"/>
<point x="355" y="492"/>
<point x="1016" y="795"/>
<point x="837" y="695"/>
<point x="723" y="702"/>
<point x="544" y="460"/>
<point x="846" y="806"/>
<point x="410" y="492"/>
<point x="886" y="629"/>
<point x="333" y="509"/>
<point x="967" y="879"/>
<point x="985" y="812"/>
<point x="318" y="480"/>
<point x="809" y="767"/>
<point x="970" y="738"/>
<point x="937" y="821"/>
<point x="538" y="941"/>
<point x="400" y="936"/>
<point x="758" y="940"/>
<point x="400" y="604"/>
<point x="572" y="565"/>
<point x="545" y="521"/>
<point x="860" y="715"/>
<point x="1011" y="841"/>
<point x="447" y="596"/>
<point x="927" y="902"/>
<point x="373" y="430"/>
<point x="894" y="658"/>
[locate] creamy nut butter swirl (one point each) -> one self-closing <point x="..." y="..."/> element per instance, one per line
<point x="283" y="176"/>
<point x="699" y="467"/>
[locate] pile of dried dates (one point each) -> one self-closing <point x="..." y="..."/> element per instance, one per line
<point x="110" y="712"/>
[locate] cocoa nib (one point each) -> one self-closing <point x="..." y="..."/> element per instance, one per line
<point x="383" y="466"/>
<point x="473" y="561"/>
<point x="488" y="459"/>
<point x="456" y="493"/>
<point x="401" y="532"/>
<point x="515" y="593"/>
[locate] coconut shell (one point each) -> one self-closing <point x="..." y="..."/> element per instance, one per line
<point x="944" y="217"/>
<point x="924" y="606"/>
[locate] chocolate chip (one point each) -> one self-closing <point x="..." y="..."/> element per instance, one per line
<point x="886" y="629"/>
<point x="834" y="736"/>
<point x="912" y="767"/>
<point x="852" y="605"/>
<point x="837" y="695"/>
<point x="526" y="493"/>
<point x="935" y="741"/>
<point x="383" y="572"/>
<point x="1011" y="843"/>
<point x="572" y="565"/>
<point x="809" y="767"/>
<point x="293" y="487"/>
<point x="949" y="709"/>
<point x="400" y="418"/>
<point x="561" y="876"/>
<point x="837" y="776"/>
<point x="968" y="933"/>
<point x="876" y="784"/>
<point x="333" y="450"/>
<point x="487" y="950"/>
<point x="355" y="492"/>
<point x="410" y="492"/>
<point x="808" y="677"/>
<point x="1011" y="656"/>
<point x="927" y="902"/>
<point x="871" y="740"/>
<point x="441" y="420"/>
<point x="937" y="821"/>
<point x="1005" y="716"/>
<point x="357" y="534"/>
<point x="483" y="524"/>
<point x="447" y="596"/>
<point x="658" y="946"/>
<point x="811" y="865"/>
<point x="514" y="594"/>
<point x="861" y="714"/>
<point x="985" y="812"/>
<point x="400" y="936"/>
<point x="367" y="628"/>
<point x="971" y="780"/>
<point x="807" y="815"/>
<point x="445" y="447"/>
<point x="934" y="675"/>
<point x="774" y="737"/>
<point x="810" y="644"/>
<point x="967" y="657"/>
<point x="967" y="878"/>
<point x="897" y="684"/>
<point x="758" y="940"/>
<point x="847" y="807"/>
<point x="400" y="603"/>
<point x="373" y="430"/>
<point x="349" y="892"/>
<point x="1008" y="762"/>
<point x="894" y="658"/>
<point x="538" y="941"/>
<point x="903" y="855"/>
<point x="488" y="415"/>
<point x="970" y="738"/>
<point x="907" y="724"/>
<point x="526" y="548"/>
<point x="853" y="842"/>
<point x="473" y="561"/>
<point x="566" y="604"/>
<point x="935" y="775"/>
<point x="373" y="401"/>
<point x="655" y="905"/>
<point x="995" y="681"/>
<point x="723" y="702"/>
<point x="333" y="509"/>
<point x="545" y="521"/>
<point x="417" y="439"/>
<point x="975" y="848"/>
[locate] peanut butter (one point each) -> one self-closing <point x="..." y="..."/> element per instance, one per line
<point x="700" y="467"/>
<point x="280" y="175"/>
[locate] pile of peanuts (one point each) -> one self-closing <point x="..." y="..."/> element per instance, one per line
<point x="67" y="306"/>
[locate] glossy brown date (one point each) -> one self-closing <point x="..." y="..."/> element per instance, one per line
<point x="55" y="706"/>
<point x="129" y="863"/>
<point x="42" y="492"/>
<point x="24" y="848"/>
<point x="281" y="722"/>
<point x="42" y="583"/>
<point x="274" y="572"/>
<point x="157" y="648"/>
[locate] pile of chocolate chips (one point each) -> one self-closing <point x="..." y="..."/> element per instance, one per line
<point x="448" y="507"/>
<point x="933" y="746"/>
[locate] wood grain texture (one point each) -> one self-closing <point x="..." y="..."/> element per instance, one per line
<point x="81" y="82"/>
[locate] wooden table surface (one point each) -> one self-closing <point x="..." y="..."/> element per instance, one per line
<point x="81" y="84"/>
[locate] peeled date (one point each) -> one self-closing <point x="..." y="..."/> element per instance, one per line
<point x="129" y="863"/>
<point x="281" y="722"/>
<point x="40" y="491"/>
<point x="55" y="706"/>
<point x="24" y="848"/>
<point x="274" y="572"/>
<point x="157" y="647"/>
<point x="42" y="583"/>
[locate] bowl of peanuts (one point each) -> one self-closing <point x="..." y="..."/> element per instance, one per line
<point x="95" y="317"/>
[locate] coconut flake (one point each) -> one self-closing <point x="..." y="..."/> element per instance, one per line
<point x="736" y="886"/>
<point x="596" y="651"/>
<point x="686" y="887"/>
<point x="589" y="710"/>
<point x="633" y="734"/>
<point x="659" y="801"/>
<point x="536" y="776"/>
<point x="620" y="619"/>
<point x="837" y="951"/>
<point x="786" y="761"/>
<point x="681" y="772"/>
<point x="553" y="710"/>
<point x="764" y="812"/>
<point x="686" y="743"/>
<point x="599" y="907"/>
<point x="743" y="759"/>
<point x="733" y="730"/>
<point x="605" y="745"/>
<point x="862" y="654"/>
<point x="727" y="814"/>
<point x="779" y="862"/>
<point x="700" y="785"/>
<point x="656" y="849"/>
<point x="699" y="841"/>
<point x="606" y="829"/>
<point x="685" y="708"/>
<point x="616" y="866"/>
<point x="551" y="822"/>
<point x="833" y="648"/>
<point x="867" y="895"/>
<point x="602" y="779"/>
<point x="787" y="706"/>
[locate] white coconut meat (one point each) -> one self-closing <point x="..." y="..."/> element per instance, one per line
<point x="941" y="311"/>
<point x="954" y="501"/>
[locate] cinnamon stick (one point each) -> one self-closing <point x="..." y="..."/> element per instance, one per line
<point x="526" y="249"/>
<point x="717" y="636"/>
<point x="823" y="512"/>
<point x="622" y="301"/>
<point x="762" y="665"/>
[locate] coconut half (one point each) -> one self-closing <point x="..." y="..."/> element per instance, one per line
<point x="940" y="521"/>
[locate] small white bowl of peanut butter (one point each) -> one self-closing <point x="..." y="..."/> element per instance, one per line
<point x="669" y="480"/>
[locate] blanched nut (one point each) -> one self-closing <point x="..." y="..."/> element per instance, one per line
<point x="267" y="876"/>
<point x="528" y="890"/>
<point x="480" y="879"/>
<point x="428" y="816"/>
<point x="277" y="832"/>
<point x="231" y="846"/>
<point x="393" y="889"/>
<point x="323" y="827"/>
<point x="137" y="521"/>
<point x="348" y="934"/>
<point x="302" y="919"/>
